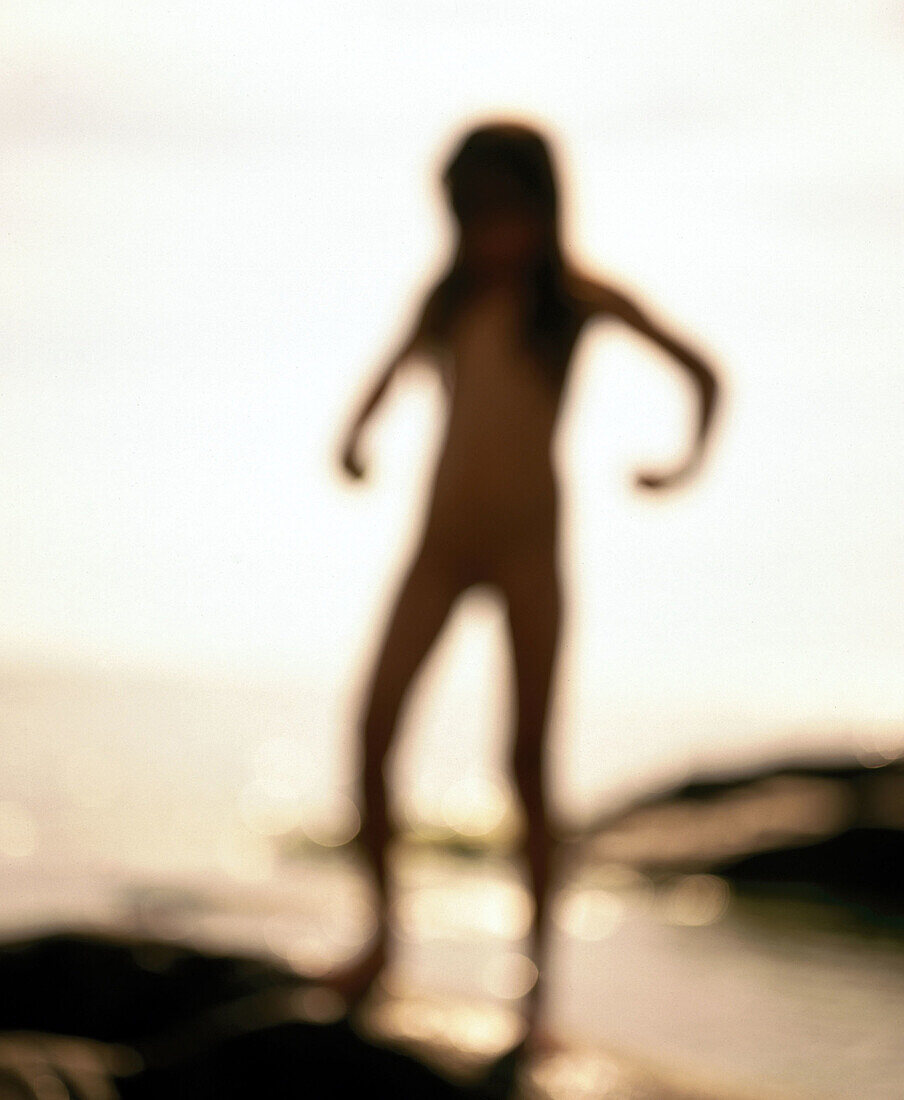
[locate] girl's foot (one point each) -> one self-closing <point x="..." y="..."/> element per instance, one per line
<point x="354" y="981"/>
<point x="539" y="1043"/>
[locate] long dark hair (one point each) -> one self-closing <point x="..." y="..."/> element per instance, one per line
<point x="517" y="157"/>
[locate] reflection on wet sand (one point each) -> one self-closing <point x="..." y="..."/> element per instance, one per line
<point x="146" y="1019"/>
<point x="689" y="957"/>
<point x="683" y="978"/>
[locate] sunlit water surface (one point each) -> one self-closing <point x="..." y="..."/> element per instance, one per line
<point x="122" y="809"/>
<point x="769" y="1000"/>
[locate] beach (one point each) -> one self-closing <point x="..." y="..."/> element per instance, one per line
<point x="743" y="1000"/>
<point x="155" y="810"/>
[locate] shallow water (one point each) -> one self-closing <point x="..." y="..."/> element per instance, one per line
<point x="755" y="998"/>
<point x="146" y="805"/>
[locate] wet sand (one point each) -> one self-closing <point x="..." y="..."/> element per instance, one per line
<point x="678" y="991"/>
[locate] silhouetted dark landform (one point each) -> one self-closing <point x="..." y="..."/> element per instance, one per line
<point x="858" y="865"/>
<point x="834" y="828"/>
<point x="115" y="990"/>
<point x="107" y="1018"/>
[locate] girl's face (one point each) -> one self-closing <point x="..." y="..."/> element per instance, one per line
<point x="502" y="242"/>
<point x="501" y="228"/>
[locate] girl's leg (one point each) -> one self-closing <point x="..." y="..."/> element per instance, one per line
<point x="427" y="595"/>
<point x="531" y="586"/>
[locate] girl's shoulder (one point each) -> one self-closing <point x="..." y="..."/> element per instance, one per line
<point x="591" y="295"/>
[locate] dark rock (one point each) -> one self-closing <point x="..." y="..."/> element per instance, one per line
<point x="161" y="1021"/>
<point x="292" y="1059"/>
<point x="833" y="828"/>
<point x="118" y="989"/>
<point x="860" y="865"/>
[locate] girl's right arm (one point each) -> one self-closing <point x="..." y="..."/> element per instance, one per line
<point x="415" y="342"/>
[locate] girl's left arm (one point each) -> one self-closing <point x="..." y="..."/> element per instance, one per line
<point x="609" y="301"/>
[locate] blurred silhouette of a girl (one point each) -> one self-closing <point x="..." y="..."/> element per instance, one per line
<point x="500" y="325"/>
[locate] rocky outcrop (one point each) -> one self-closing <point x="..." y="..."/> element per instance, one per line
<point x="835" y="828"/>
<point x="91" y="1017"/>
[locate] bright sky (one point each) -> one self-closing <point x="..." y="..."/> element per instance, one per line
<point x="214" y="217"/>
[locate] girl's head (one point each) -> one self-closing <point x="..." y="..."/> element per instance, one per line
<point x="502" y="191"/>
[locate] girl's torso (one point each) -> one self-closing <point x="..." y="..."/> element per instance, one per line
<point x="495" y="483"/>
